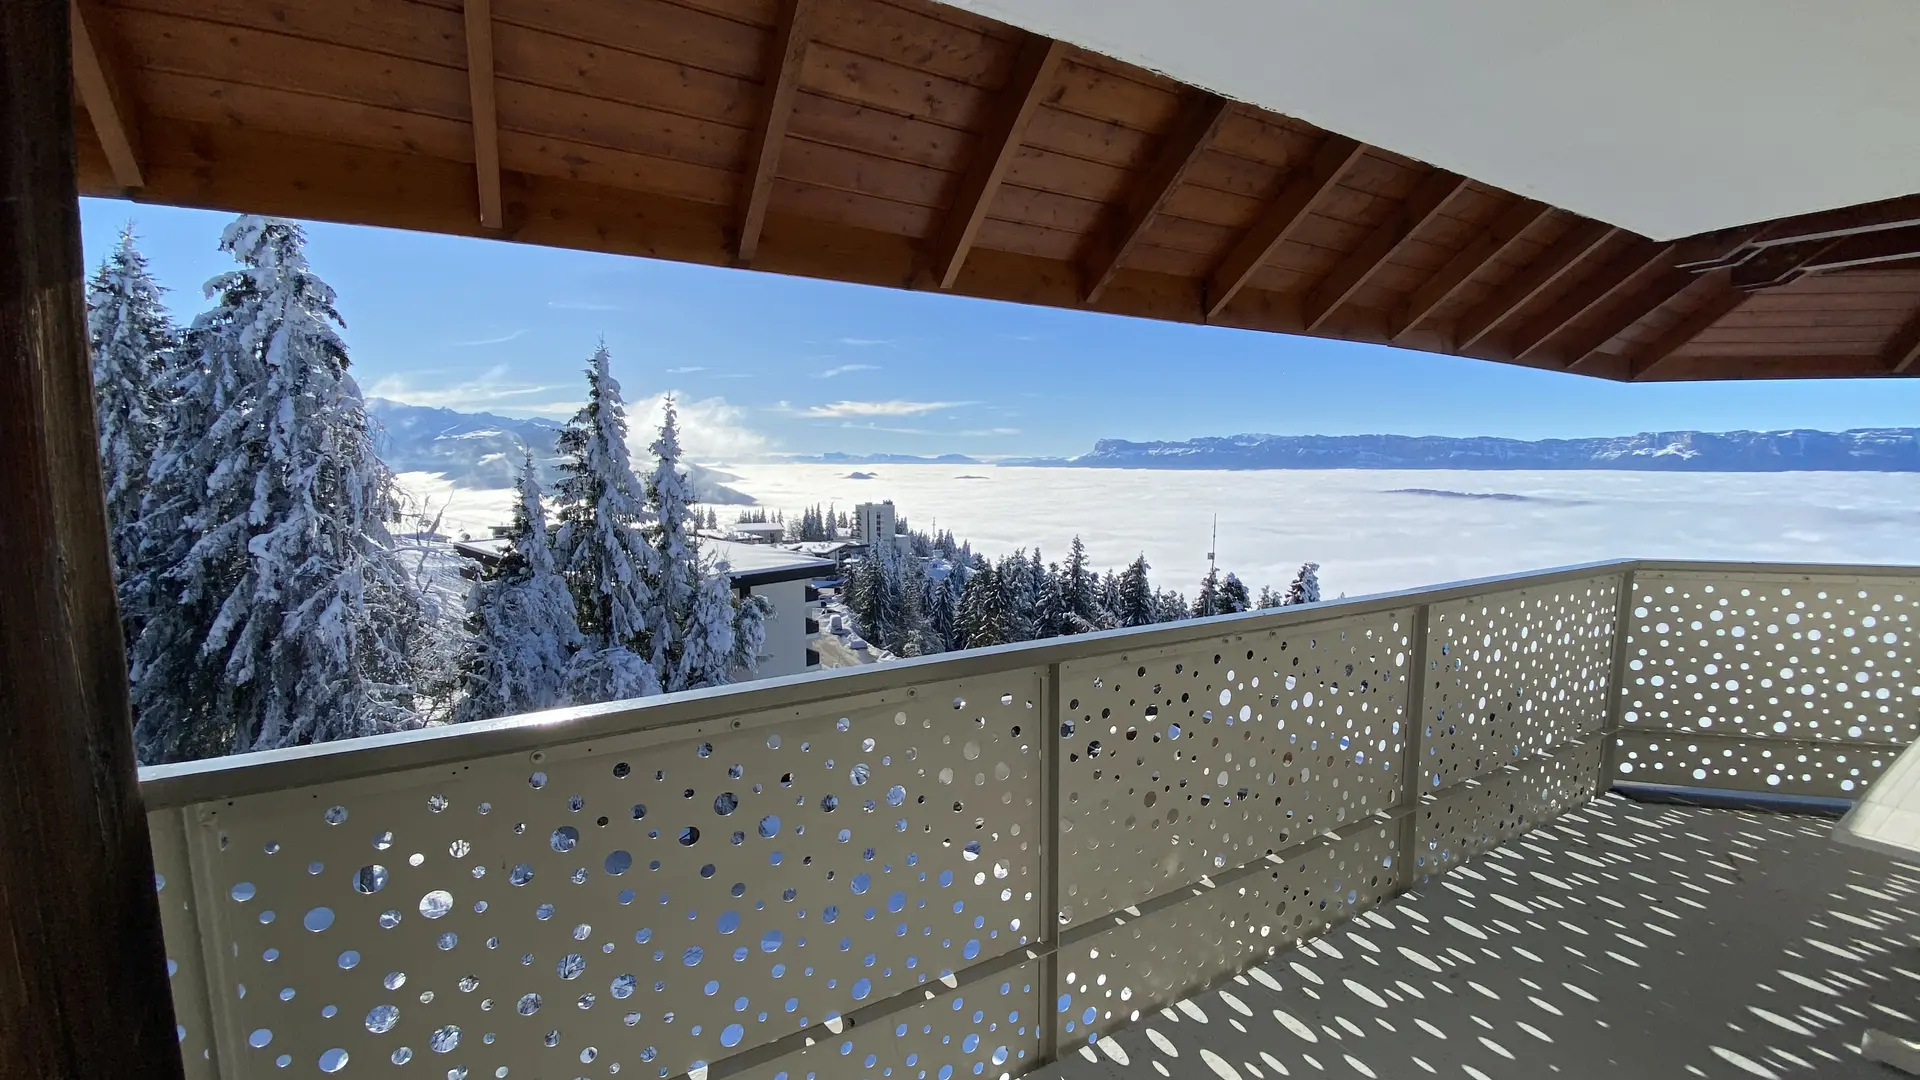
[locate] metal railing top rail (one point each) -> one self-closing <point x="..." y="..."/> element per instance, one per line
<point x="695" y="711"/>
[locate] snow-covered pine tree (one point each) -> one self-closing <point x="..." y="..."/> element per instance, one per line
<point x="1053" y="612"/>
<point x="1207" y="602"/>
<point x="1080" y="588"/>
<point x="520" y="618"/>
<point x="1137" y="606"/>
<point x="749" y="631"/>
<point x="1173" y="606"/>
<point x="282" y="615"/>
<point x="1306" y="585"/>
<point x="983" y="610"/>
<point x="676" y="567"/>
<point x="707" y="650"/>
<point x="1269" y="598"/>
<point x="131" y="342"/>
<point x="608" y="566"/>
<point x="1233" y="596"/>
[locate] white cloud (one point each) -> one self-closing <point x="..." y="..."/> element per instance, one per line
<point x="491" y="391"/>
<point x="850" y="425"/>
<point x="835" y="410"/>
<point x="989" y="431"/>
<point x="844" y="369"/>
<point x="865" y="341"/>
<point x="584" y="305"/>
<point x="501" y="340"/>
<point x="711" y="429"/>
<point x="684" y="370"/>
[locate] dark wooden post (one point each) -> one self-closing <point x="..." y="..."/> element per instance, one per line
<point x="83" y="981"/>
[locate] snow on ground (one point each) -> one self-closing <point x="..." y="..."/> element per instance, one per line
<point x="1369" y="532"/>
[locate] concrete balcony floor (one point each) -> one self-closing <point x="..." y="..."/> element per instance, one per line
<point x="1621" y="940"/>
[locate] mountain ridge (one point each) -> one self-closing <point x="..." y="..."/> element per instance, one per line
<point x="1791" y="450"/>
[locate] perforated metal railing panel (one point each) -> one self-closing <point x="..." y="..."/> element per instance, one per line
<point x="968" y="865"/>
<point x="1180" y="762"/>
<point x="1515" y="671"/>
<point x="651" y="908"/>
<point x="1800" y="683"/>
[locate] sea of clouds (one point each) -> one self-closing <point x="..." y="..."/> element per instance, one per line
<point x="1371" y="531"/>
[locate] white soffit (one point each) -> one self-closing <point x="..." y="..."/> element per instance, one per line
<point x="1666" y="117"/>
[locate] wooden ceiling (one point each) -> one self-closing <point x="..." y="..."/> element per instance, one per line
<point x="901" y="143"/>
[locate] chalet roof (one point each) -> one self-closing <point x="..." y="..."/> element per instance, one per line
<point x="912" y="145"/>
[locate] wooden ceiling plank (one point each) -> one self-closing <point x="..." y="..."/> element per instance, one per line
<point x="1902" y="352"/>
<point x="1723" y="299"/>
<point x="1588" y="293"/>
<point x="1536" y="277"/>
<point x="1482" y="249"/>
<point x="1199" y="122"/>
<point x="1033" y="78"/>
<point x="1278" y="221"/>
<point x="96" y="72"/>
<point x="486" y="124"/>
<point x="780" y="84"/>
<point x="1360" y="264"/>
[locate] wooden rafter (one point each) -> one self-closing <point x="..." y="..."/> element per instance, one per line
<point x="1902" y="352"/>
<point x="1866" y="249"/>
<point x="1589" y="292"/>
<point x="1536" y="277"/>
<point x="1583" y="344"/>
<point x="486" y="126"/>
<point x="1722" y="299"/>
<point x="780" y="83"/>
<point x="1725" y="247"/>
<point x="1199" y="121"/>
<point x="97" y="75"/>
<point x="1481" y="250"/>
<point x="1362" y="262"/>
<point x="1280" y="219"/>
<point x="1771" y="267"/>
<point x="1033" y="77"/>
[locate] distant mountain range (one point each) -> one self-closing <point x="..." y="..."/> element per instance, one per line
<point x="482" y="450"/>
<point x="1863" y="450"/>
<point x="837" y="458"/>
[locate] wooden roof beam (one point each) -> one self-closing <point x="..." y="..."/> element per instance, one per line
<point x="1033" y="78"/>
<point x="1723" y="299"/>
<point x="1583" y="345"/>
<point x="780" y="83"/>
<point x="1866" y="249"/>
<point x="1481" y="250"/>
<point x="1198" y="123"/>
<point x="96" y="73"/>
<point x="1280" y="219"/>
<point x="1902" y="351"/>
<point x="1535" y="278"/>
<point x="1588" y="293"/>
<point x="1726" y="247"/>
<point x="1362" y="262"/>
<point x="486" y="125"/>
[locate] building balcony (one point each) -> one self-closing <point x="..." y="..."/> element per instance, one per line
<point x="1377" y="837"/>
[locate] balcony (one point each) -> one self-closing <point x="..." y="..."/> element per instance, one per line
<point x="1211" y="847"/>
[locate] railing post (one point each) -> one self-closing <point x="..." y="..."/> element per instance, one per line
<point x="1616" y="690"/>
<point x="1048" y="932"/>
<point x="1416" y="725"/>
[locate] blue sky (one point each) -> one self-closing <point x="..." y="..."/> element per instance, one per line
<point x="770" y="364"/>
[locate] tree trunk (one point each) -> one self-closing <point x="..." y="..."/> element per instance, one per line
<point x="83" y="981"/>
